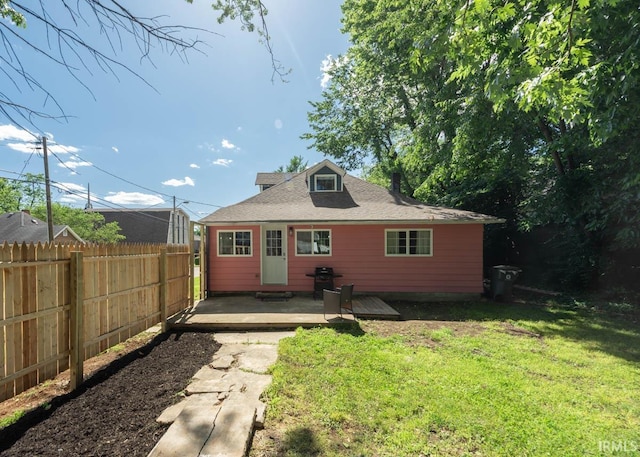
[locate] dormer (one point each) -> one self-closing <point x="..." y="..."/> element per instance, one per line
<point x="325" y="177"/>
<point x="267" y="180"/>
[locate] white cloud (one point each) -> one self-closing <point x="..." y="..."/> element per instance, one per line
<point x="61" y="149"/>
<point x="11" y="132"/>
<point x="29" y="142"/>
<point x="72" y="199"/>
<point x="327" y="65"/>
<point x="72" y="187"/>
<point x="194" y="165"/>
<point x="277" y="124"/>
<point x="73" y="164"/>
<point x="116" y="150"/>
<point x="222" y="162"/>
<point x="226" y="144"/>
<point x="71" y="192"/>
<point x="187" y="181"/>
<point x="23" y="147"/>
<point x="133" y="198"/>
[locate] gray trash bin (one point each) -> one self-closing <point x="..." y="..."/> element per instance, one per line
<point x="502" y="279"/>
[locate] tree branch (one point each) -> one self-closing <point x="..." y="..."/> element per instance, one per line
<point x="548" y="136"/>
<point x="67" y="49"/>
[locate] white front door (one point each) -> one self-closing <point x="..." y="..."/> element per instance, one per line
<point x="274" y="254"/>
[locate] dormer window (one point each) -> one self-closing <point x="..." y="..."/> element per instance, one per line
<point x="326" y="183"/>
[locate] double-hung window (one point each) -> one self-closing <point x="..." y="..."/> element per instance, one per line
<point x="326" y="183"/>
<point x="407" y="242"/>
<point x="313" y="242"/>
<point x="234" y="243"/>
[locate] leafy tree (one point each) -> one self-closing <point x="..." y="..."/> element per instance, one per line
<point x="16" y="195"/>
<point x="522" y="109"/>
<point x="88" y="225"/>
<point x="296" y="164"/>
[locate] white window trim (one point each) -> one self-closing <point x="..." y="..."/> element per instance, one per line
<point x="312" y="254"/>
<point x="325" y="176"/>
<point x="234" y="243"/>
<point x="412" y="229"/>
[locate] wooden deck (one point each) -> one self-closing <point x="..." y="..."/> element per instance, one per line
<point x="248" y="312"/>
<point x="373" y="308"/>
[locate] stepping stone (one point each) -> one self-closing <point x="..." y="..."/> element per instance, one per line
<point x="224" y="362"/>
<point x="170" y="414"/>
<point x="258" y="358"/>
<point x="206" y="373"/>
<point x="210" y="386"/>
<point x="261" y="415"/>
<point x="231" y="435"/>
<point x="188" y="434"/>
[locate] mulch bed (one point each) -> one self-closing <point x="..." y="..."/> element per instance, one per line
<point x="114" y="412"/>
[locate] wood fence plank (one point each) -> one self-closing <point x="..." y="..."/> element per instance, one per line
<point x="30" y="349"/>
<point x="4" y="311"/>
<point x="76" y="321"/>
<point x="121" y="296"/>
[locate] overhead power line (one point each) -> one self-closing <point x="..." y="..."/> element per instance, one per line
<point x="140" y="186"/>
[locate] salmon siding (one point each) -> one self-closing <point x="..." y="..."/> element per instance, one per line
<point x="358" y="253"/>
<point x="376" y="238"/>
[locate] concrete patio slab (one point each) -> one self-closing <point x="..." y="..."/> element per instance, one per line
<point x="245" y="312"/>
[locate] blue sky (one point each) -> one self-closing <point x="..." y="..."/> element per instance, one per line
<point x="200" y="133"/>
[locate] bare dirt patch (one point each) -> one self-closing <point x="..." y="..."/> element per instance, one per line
<point x="114" y="411"/>
<point x="418" y="324"/>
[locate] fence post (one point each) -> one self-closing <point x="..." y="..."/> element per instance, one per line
<point x="163" y="288"/>
<point x="76" y="327"/>
<point x="192" y="261"/>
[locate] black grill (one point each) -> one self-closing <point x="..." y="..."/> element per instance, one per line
<point x="322" y="279"/>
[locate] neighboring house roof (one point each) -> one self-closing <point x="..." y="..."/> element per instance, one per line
<point x="140" y="226"/>
<point x="358" y="201"/>
<point x="22" y="227"/>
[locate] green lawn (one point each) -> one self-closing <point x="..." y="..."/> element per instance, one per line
<point x="196" y="286"/>
<point x="467" y="379"/>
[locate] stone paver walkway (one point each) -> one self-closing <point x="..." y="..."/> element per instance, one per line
<point x="223" y="406"/>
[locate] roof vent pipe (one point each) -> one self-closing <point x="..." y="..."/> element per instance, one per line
<point x="395" y="182"/>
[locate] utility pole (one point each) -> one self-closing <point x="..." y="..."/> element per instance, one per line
<point x="88" y="206"/>
<point x="47" y="186"/>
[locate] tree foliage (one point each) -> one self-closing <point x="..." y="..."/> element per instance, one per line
<point x="88" y="225"/>
<point x="26" y="193"/>
<point x="296" y="164"/>
<point x="522" y="109"/>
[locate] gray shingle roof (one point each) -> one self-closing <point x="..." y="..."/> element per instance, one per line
<point x="359" y="201"/>
<point x="22" y="227"/>
<point x="138" y="225"/>
<point x="269" y="179"/>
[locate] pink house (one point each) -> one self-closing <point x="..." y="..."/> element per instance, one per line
<point x="377" y="239"/>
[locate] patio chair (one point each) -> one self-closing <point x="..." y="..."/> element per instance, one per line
<point x="331" y="302"/>
<point x="336" y="301"/>
<point x="346" y="291"/>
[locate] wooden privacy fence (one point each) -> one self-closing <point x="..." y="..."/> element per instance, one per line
<point x="62" y="304"/>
